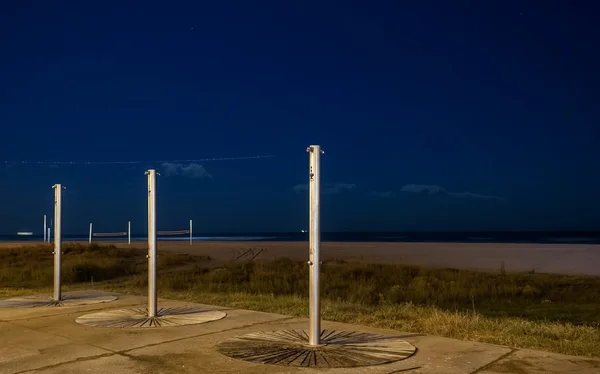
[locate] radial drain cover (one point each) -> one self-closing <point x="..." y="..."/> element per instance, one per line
<point x="339" y="349"/>
<point x="67" y="299"/>
<point x="138" y="317"/>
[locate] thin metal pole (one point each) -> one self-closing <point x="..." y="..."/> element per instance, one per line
<point x="48" y="235"/>
<point x="151" y="243"/>
<point x="190" y="232"/>
<point x="129" y="232"/>
<point x="314" y="332"/>
<point x="57" y="239"/>
<point x="45" y="229"/>
<point x="90" y="239"/>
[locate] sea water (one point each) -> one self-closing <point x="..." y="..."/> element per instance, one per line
<point x="424" y="237"/>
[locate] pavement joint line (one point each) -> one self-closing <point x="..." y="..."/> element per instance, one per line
<point x="15" y="322"/>
<point x="489" y="364"/>
<point x="124" y="352"/>
<point x="404" y="370"/>
<point x="221" y="309"/>
<point x="64" y="314"/>
<point x="80" y="359"/>
<point x="203" y="334"/>
<point x="64" y="337"/>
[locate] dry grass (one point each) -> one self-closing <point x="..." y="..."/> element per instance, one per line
<point x="540" y="311"/>
<point x="31" y="267"/>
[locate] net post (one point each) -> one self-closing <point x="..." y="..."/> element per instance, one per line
<point x="45" y="230"/>
<point x="190" y="232"/>
<point x="129" y="232"/>
<point x="151" y="243"/>
<point x="90" y="238"/>
<point x="314" y="332"/>
<point x="57" y="239"/>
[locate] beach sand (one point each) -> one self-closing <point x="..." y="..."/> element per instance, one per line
<point x="576" y="259"/>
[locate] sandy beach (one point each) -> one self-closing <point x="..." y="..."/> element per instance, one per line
<point x="580" y="259"/>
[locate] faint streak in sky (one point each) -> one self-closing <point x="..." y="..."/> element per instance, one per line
<point x="13" y="163"/>
<point x="433" y="189"/>
<point x="327" y="188"/>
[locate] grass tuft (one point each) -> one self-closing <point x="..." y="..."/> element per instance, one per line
<point x="528" y="310"/>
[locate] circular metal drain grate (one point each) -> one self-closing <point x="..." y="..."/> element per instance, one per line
<point x="138" y="317"/>
<point x="67" y="299"/>
<point x="339" y="349"/>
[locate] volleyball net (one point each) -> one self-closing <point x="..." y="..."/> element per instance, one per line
<point x="113" y="235"/>
<point x="108" y="234"/>
<point x="172" y="232"/>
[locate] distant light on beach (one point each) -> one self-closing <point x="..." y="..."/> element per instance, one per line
<point x="24" y="233"/>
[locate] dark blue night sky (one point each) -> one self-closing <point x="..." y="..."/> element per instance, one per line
<point x="434" y="115"/>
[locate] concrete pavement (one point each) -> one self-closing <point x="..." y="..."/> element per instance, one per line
<point x="47" y="340"/>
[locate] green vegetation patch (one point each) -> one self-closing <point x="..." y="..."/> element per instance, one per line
<point x="541" y="311"/>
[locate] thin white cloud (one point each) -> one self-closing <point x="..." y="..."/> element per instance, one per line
<point x="195" y="171"/>
<point x="433" y="189"/>
<point x="192" y="170"/>
<point x="170" y="168"/>
<point x="327" y="188"/>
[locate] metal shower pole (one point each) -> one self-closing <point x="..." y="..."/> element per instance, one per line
<point x="190" y="232"/>
<point x="128" y="232"/>
<point x="151" y="243"/>
<point x="57" y="238"/>
<point x="45" y="225"/>
<point x="314" y="332"/>
<point x="90" y="239"/>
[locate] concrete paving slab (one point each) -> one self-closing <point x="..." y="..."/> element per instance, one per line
<point x="119" y="339"/>
<point x="53" y="343"/>
<point x="113" y="364"/>
<point x="22" y="348"/>
<point x="165" y="364"/>
<point x="527" y="361"/>
<point x="435" y="355"/>
<point x="12" y="314"/>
